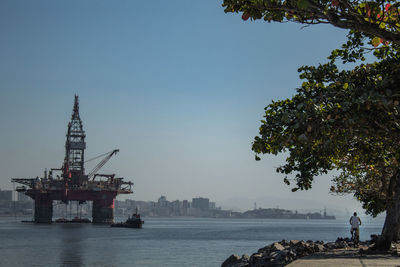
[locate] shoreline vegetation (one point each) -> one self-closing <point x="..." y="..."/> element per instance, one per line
<point x="285" y="252"/>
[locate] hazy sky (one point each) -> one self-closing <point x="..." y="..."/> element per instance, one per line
<point x="178" y="86"/>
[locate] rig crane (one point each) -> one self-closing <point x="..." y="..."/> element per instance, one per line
<point x="93" y="173"/>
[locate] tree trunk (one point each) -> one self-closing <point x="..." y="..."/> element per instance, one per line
<point x="391" y="228"/>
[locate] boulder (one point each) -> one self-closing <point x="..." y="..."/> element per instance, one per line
<point x="273" y="255"/>
<point x="330" y="245"/>
<point x="280" y="255"/>
<point x="303" y="249"/>
<point x="265" y="249"/>
<point x="284" y="243"/>
<point x="231" y="260"/>
<point x="294" y="242"/>
<point x="319" y="248"/>
<point x="375" y="238"/>
<point x="255" y="258"/>
<point x="341" y="244"/>
<point x="236" y="261"/>
<point x="292" y="253"/>
<point x="277" y="246"/>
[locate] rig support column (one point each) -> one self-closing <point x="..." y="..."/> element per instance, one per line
<point x="43" y="208"/>
<point x="103" y="209"/>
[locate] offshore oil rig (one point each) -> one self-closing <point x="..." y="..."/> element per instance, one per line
<point x="72" y="184"/>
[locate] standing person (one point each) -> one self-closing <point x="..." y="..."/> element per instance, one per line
<point x="355" y="223"/>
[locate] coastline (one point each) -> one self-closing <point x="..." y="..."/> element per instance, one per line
<point x="298" y="253"/>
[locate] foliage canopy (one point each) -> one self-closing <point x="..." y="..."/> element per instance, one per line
<point x="340" y="120"/>
<point x="376" y="19"/>
<point x="343" y="120"/>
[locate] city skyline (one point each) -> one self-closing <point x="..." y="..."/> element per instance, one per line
<point x="17" y="204"/>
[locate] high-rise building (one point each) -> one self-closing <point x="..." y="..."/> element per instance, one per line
<point x="162" y="201"/>
<point x="185" y="204"/>
<point x="201" y="203"/>
<point x="176" y="208"/>
<point x="185" y="207"/>
<point x="6" y="195"/>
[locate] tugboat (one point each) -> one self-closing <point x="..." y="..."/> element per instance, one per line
<point x="133" y="222"/>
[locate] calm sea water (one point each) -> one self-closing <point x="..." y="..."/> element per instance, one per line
<point x="162" y="241"/>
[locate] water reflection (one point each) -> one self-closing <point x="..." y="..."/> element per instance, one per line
<point x="71" y="245"/>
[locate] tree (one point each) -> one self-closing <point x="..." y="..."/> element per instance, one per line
<point x="378" y="19"/>
<point x="343" y="120"/>
<point x="347" y="121"/>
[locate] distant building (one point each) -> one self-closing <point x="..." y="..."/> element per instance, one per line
<point x="121" y="207"/>
<point x="163" y="207"/>
<point x="146" y="208"/>
<point x="6" y="195"/>
<point x="185" y="204"/>
<point x="185" y="207"/>
<point x="22" y="197"/>
<point x="201" y="203"/>
<point x="212" y="206"/>
<point x="176" y="208"/>
<point x="162" y="201"/>
<point x="131" y="204"/>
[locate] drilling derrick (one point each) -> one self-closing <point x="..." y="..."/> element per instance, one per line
<point x="73" y="168"/>
<point x="73" y="184"/>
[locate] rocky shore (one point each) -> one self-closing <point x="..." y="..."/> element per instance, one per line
<point x="284" y="252"/>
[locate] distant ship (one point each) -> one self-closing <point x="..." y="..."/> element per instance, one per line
<point x="133" y="222"/>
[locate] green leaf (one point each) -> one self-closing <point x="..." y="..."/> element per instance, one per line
<point x="286" y="181"/>
<point x="303" y="4"/>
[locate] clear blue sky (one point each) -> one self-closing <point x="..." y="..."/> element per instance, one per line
<point x="178" y="86"/>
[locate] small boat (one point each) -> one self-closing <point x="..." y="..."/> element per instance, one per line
<point x="74" y="220"/>
<point x="61" y="220"/>
<point x="80" y="220"/>
<point x="133" y="222"/>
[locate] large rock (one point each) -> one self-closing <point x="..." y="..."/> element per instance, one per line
<point x="330" y="245"/>
<point x="265" y="249"/>
<point x="319" y="248"/>
<point x="293" y="242"/>
<point x="277" y="246"/>
<point x="256" y="257"/>
<point x="292" y="253"/>
<point x="341" y="243"/>
<point x="236" y="261"/>
<point x="284" y="243"/>
<point x="231" y="260"/>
